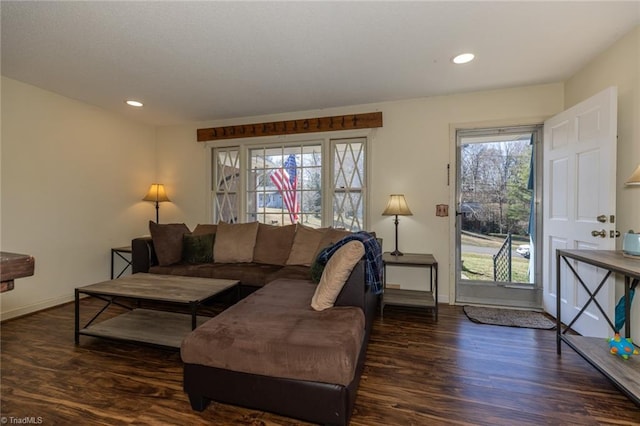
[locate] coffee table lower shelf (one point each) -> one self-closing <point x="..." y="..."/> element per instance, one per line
<point x="158" y="328"/>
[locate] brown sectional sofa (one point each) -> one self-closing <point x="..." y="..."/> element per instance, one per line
<point x="278" y="252"/>
<point x="272" y="351"/>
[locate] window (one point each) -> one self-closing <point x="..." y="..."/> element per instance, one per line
<point x="284" y="185"/>
<point x="281" y="184"/>
<point x="348" y="183"/>
<point x="226" y="184"/>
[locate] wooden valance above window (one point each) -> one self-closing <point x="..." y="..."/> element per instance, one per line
<point x="291" y="127"/>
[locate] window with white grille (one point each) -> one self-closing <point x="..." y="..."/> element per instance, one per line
<point x="226" y="184"/>
<point x="316" y="183"/>
<point x="348" y="179"/>
<point x="284" y="185"/>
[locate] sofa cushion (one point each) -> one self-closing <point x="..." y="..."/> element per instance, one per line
<point x="330" y="237"/>
<point x="273" y="244"/>
<point x="206" y="228"/>
<point x="254" y="274"/>
<point x="297" y="272"/>
<point x="335" y="274"/>
<point x="305" y="245"/>
<point x="167" y="241"/>
<point x="235" y="242"/>
<point x="250" y="274"/>
<point x="275" y="333"/>
<point x="198" y="248"/>
<point x="182" y="268"/>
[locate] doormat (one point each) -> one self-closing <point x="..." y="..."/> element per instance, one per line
<point x="509" y="317"/>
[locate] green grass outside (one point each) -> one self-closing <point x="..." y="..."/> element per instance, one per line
<point x="480" y="267"/>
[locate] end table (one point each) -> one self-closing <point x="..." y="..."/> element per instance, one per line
<point x="411" y="298"/>
<point x="120" y="251"/>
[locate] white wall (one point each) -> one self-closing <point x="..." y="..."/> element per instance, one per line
<point x="72" y="179"/>
<point x="72" y="175"/>
<point x="618" y="66"/>
<point x="409" y="153"/>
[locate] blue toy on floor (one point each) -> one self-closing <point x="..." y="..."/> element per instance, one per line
<point x="622" y="347"/>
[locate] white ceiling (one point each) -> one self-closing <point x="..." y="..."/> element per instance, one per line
<point x="196" y="61"/>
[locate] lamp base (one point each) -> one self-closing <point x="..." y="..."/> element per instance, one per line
<point x="396" y="252"/>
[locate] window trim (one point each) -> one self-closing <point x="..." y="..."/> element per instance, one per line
<point x="324" y="139"/>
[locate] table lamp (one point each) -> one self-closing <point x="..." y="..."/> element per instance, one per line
<point x="397" y="206"/>
<point x="156" y="194"/>
<point x="635" y="177"/>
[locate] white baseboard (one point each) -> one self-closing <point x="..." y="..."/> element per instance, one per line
<point x="35" y="307"/>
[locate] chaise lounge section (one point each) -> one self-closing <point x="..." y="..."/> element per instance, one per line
<point x="273" y="352"/>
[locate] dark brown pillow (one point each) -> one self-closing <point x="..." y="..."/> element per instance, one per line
<point x="273" y="244"/>
<point x="202" y="229"/>
<point x="167" y="241"/>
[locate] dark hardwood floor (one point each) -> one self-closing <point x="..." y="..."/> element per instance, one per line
<point x="417" y="373"/>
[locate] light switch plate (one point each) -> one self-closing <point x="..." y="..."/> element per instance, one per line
<point x="442" y="210"/>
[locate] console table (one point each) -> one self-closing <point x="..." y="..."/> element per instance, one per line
<point x="625" y="374"/>
<point x="411" y="298"/>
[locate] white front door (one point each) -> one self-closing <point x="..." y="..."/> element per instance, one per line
<point x="579" y="198"/>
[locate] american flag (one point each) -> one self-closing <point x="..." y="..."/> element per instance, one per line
<point x="286" y="180"/>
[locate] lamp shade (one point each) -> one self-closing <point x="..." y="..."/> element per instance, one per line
<point x="397" y="205"/>
<point x="156" y="193"/>
<point x="635" y="177"/>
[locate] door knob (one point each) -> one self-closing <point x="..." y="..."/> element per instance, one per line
<point x="602" y="233"/>
<point x="602" y="218"/>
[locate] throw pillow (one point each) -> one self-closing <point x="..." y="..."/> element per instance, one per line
<point x="335" y="274"/>
<point x="317" y="267"/>
<point x="305" y="245"/>
<point x="273" y="244"/>
<point x="197" y="248"/>
<point x="235" y="242"/>
<point x="202" y="229"/>
<point x="331" y="237"/>
<point x="167" y="241"/>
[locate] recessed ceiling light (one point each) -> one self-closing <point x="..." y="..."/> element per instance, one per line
<point x="463" y="58"/>
<point x="134" y="103"/>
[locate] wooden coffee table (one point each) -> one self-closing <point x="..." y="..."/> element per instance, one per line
<point x="155" y="327"/>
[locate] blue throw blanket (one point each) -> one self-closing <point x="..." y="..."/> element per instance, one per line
<point x="372" y="256"/>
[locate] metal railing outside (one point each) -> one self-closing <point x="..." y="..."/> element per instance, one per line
<point x="502" y="262"/>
